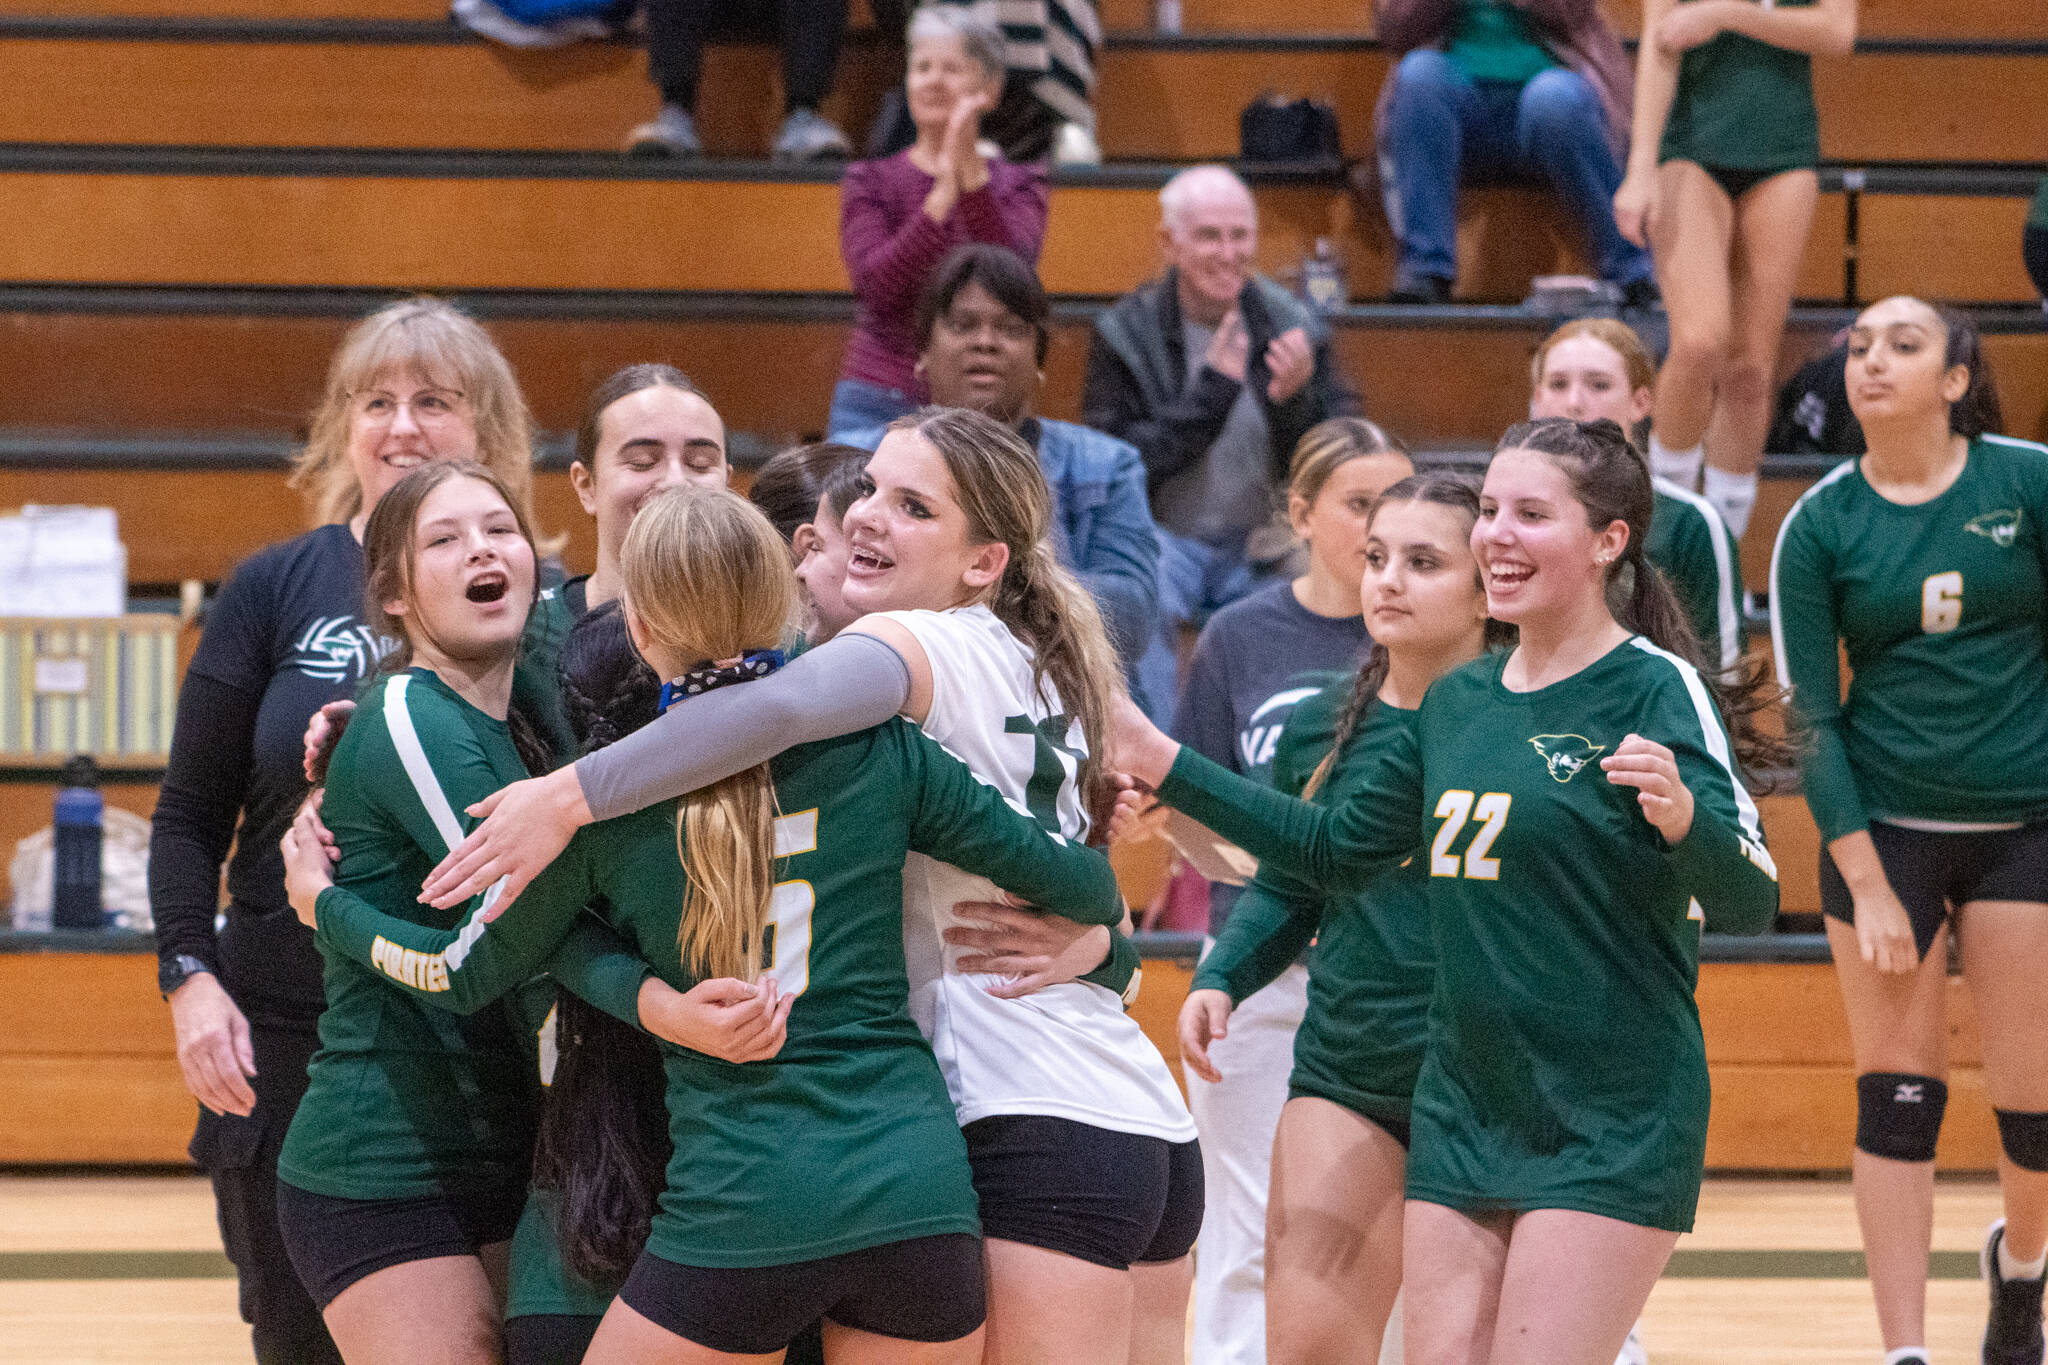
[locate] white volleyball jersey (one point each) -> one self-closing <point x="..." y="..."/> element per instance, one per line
<point x="1069" y="1051"/>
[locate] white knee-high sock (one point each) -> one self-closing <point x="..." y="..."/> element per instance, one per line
<point x="1915" y="1353"/>
<point x="1681" y="467"/>
<point x="1733" y="496"/>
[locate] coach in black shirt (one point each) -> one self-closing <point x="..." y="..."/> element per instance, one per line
<point x="414" y="382"/>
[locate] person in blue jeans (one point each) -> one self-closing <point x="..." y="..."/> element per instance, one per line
<point x="983" y="325"/>
<point x="1502" y="90"/>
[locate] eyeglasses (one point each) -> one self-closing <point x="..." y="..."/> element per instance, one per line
<point x="429" y="407"/>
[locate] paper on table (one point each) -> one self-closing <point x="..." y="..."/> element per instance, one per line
<point x="62" y="561"/>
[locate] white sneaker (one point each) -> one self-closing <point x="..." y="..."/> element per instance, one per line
<point x="1632" y="1352"/>
<point x="672" y="132"/>
<point x="1076" y="146"/>
<point x="808" y="135"/>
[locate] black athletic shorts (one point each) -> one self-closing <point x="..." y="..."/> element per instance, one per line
<point x="1110" y="1198"/>
<point x="335" y="1242"/>
<point x="922" y="1289"/>
<point x="1931" y="873"/>
<point x="548" y="1338"/>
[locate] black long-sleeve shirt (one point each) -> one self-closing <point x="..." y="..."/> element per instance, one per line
<point x="284" y="637"/>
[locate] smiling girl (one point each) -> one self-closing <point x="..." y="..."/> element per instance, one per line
<point x="1086" y="1169"/>
<point x="1333" y="1219"/>
<point x="1925" y="561"/>
<point x="1577" y="808"/>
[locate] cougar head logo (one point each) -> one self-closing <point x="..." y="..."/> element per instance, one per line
<point x="2001" y="528"/>
<point x="1565" y="755"/>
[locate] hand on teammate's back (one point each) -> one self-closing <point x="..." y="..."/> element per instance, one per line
<point x="308" y="852"/>
<point x="732" y="1020"/>
<point x="1030" y="950"/>
<point x="323" y="732"/>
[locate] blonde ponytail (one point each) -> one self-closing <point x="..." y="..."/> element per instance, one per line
<point x="708" y="578"/>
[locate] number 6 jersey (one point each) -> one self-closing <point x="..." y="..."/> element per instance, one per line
<point x="1940" y="608"/>
<point x="1068" y="1051"/>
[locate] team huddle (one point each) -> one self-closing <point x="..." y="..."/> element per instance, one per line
<point x="719" y="961"/>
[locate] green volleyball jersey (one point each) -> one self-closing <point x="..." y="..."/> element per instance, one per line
<point x="540" y="1283"/>
<point x="1940" y="609"/>
<point x="536" y="690"/>
<point x="401" y="1099"/>
<point x="2037" y="212"/>
<point x="1374" y="964"/>
<point x="1699" y="555"/>
<point x="1744" y="105"/>
<point x="846" y="1138"/>
<point x="1566" y="1067"/>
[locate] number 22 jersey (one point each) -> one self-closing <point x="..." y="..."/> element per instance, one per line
<point x="1068" y="1051"/>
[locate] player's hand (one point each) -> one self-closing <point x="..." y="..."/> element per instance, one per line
<point x="323" y="732"/>
<point x="1204" y="1017"/>
<point x="1028" y="949"/>
<point x="1884" y="932"/>
<point x="1652" y="770"/>
<point x="732" y="1020"/>
<point x="1291" y="362"/>
<point x="307" y="856"/>
<point x="1127" y="812"/>
<point x="1229" y="348"/>
<point x="525" y="827"/>
<point x="1634" y="204"/>
<point x="214" y="1050"/>
<point x="1687" y="26"/>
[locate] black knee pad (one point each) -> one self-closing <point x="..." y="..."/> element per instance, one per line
<point x="2024" y="1137"/>
<point x="1899" y="1115"/>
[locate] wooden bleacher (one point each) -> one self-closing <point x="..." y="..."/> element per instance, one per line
<point x="202" y="194"/>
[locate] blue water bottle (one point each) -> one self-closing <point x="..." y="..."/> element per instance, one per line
<point x="75" y="902"/>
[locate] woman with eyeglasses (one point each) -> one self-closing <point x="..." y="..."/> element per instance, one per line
<point x="414" y="383"/>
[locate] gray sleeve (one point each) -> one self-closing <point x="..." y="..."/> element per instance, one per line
<point x="850" y="683"/>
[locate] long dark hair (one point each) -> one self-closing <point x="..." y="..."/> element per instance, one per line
<point x="603" y="1146"/>
<point x="791" y="485"/>
<point x="1443" y="490"/>
<point x="1611" y="480"/>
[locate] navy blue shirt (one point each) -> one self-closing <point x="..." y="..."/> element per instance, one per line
<point x="1255" y="661"/>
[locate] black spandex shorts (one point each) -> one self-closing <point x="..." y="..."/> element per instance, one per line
<point x="335" y="1242"/>
<point x="1110" y="1198"/>
<point x="922" y="1289"/>
<point x="1930" y="873"/>
<point x="548" y="1338"/>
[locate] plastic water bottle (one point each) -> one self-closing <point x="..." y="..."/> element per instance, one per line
<point x="1322" y="278"/>
<point x="75" y="900"/>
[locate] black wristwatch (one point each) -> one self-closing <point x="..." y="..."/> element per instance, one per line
<point x="173" y="972"/>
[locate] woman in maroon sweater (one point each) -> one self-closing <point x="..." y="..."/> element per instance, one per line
<point x="900" y="215"/>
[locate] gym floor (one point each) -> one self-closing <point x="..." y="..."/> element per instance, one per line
<point x="98" y="1268"/>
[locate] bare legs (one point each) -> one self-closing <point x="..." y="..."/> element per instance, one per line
<point x="446" y="1310"/>
<point x="1333" y="1235"/>
<point x="1549" y="1287"/>
<point x="1046" y="1308"/>
<point x="2005" y="961"/>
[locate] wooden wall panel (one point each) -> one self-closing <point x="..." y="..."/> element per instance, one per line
<point x="1153" y="103"/>
<point x="1158" y="1009"/>
<point x="95" y="1111"/>
<point x="1794" y="841"/>
<point x="1943" y="247"/>
<point x="407" y="233"/>
<point x="1803" y="1118"/>
<point x="173" y="524"/>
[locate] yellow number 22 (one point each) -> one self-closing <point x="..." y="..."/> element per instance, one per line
<point x="1454" y="808"/>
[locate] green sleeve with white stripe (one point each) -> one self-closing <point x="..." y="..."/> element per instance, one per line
<point x="1805" y="637"/>
<point x="1706" y="575"/>
<point x="1732" y="874"/>
<point x="466" y="968"/>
